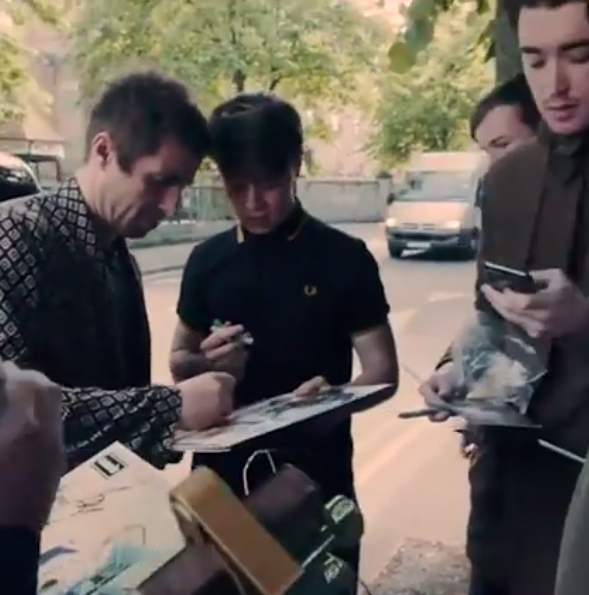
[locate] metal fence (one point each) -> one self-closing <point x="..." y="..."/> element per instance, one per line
<point x="205" y="209"/>
<point x="331" y="199"/>
<point x="205" y="202"/>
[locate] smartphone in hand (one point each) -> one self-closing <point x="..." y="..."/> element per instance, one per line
<point x="501" y="277"/>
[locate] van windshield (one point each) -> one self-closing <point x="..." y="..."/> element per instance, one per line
<point x="438" y="186"/>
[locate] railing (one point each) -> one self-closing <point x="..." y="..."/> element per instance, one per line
<point x="204" y="203"/>
<point x="205" y="209"/>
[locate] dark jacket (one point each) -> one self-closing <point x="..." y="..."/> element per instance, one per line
<point x="573" y="569"/>
<point x="19" y="561"/>
<point x="520" y="492"/>
<point x="59" y="313"/>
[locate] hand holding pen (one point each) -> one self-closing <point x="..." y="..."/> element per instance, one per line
<point x="242" y="336"/>
<point x="226" y="348"/>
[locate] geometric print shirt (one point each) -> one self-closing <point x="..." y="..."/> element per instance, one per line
<point x="61" y="313"/>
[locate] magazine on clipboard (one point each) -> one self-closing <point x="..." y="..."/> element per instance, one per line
<point x="273" y="415"/>
<point x="111" y="527"/>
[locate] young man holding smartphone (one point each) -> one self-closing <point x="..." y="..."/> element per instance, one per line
<point x="536" y="219"/>
<point x="503" y="119"/>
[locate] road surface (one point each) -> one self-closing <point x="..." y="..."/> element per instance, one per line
<point x="410" y="477"/>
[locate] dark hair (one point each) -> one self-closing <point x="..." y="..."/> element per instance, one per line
<point x="256" y="131"/>
<point x="141" y="110"/>
<point x="513" y="92"/>
<point x="514" y="7"/>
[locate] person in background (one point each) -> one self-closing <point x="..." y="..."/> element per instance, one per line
<point x="536" y="219"/>
<point x="31" y="463"/>
<point x="504" y="118"/>
<point x="308" y="294"/>
<point x="71" y="299"/>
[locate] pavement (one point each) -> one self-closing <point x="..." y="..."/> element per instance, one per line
<point x="154" y="259"/>
<point x="410" y="477"/>
<point x="162" y="259"/>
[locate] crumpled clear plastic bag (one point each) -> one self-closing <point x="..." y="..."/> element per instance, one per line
<point x="498" y="362"/>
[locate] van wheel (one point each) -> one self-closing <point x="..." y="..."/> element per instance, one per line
<point x="395" y="252"/>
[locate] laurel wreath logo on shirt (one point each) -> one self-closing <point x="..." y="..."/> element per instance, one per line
<point x="310" y="290"/>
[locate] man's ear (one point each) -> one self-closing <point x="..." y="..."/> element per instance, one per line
<point x="101" y="148"/>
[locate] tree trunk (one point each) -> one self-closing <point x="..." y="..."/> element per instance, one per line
<point x="507" y="58"/>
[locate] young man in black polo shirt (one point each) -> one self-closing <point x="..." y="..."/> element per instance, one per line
<point x="307" y="293"/>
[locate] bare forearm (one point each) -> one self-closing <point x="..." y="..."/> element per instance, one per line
<point x="377" y="353"/>
<point x="384" y="375"/>
<point x="184" y="365"/>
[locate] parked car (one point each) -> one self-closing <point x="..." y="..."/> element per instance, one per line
<point x="16" y="178"/>
<point x="46" y="167"/>
<point x="435" y="210"/>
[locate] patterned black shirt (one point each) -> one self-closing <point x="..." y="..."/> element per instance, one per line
<point x="60" y="313"/>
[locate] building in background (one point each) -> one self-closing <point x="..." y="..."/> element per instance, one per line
<point x="344" y="153"/>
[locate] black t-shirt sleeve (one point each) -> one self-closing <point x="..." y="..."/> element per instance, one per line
<point x="365" y="304"/>
<point x="191" y="308"/>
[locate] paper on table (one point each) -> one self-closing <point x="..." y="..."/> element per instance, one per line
<point x="111" y="527"/>
<point x="267" y="417"/>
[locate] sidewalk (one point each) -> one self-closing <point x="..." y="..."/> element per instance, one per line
<point x="167" y="247"/>
<point x="161" y="259"/>
<point x="172" y="243"/>
<point x="424" y="568"/>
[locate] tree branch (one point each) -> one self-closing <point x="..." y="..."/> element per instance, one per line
<point x="275" y="78"/>
<point x="239" y="77"/>
<point x="274" y="82"/>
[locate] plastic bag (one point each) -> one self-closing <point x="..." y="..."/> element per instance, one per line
<point x="498" y="362"/>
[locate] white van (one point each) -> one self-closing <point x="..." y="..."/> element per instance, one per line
<point x="437" y="205"/>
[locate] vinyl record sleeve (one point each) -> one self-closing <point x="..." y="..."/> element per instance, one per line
<point x="265" y="418"/>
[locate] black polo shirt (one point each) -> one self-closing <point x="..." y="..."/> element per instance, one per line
<point x="302" y="292"/>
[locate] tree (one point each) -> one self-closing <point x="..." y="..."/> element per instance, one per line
<point x="507" y="57"/>
<point x="421" y="19"/>
<point x="14" y="73"/>
<point x="311" y="49"/>
<point x="427" y="106"/>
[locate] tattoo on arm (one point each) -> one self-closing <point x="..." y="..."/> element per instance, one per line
<point x="186" y="359"/>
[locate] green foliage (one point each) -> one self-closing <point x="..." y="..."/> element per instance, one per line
<point x="14" y="73"/>
<point x="421" y="18"/>
<point x="427" y="106"/>
<point x="498" y="37"/>
<point x="309" y="49"/>
<point x="13" y="77"/>
<point x="46" y="11"/>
